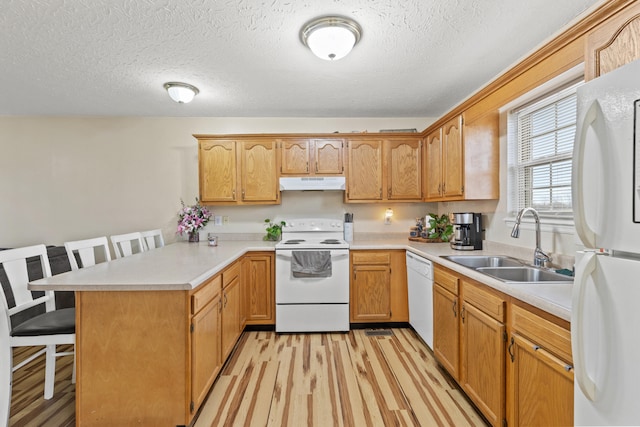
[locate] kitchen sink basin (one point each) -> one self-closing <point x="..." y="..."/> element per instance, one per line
<point x="524" y="274"/>
<point x="480" y="261"/>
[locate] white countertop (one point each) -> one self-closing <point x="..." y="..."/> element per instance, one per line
<point x="553" y="298"/>
<point x="184" y="266"/>
<point x="179" y="266"/>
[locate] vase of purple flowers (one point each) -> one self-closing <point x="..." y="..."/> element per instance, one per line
<point x="191" y="219"/>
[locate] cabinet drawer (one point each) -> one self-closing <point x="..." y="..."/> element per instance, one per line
<point x="230" y="274"/>
<point x="543" y="332"/>
<point x="205" y="293"/>
<point x="371" y="257"/>
<point x="446" y="280"/>
<point x="489" y="303"/>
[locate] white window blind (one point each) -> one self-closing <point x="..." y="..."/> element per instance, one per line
<point x="541" y="148"/>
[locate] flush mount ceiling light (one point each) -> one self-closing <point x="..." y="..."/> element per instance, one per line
<point x="331" y="37"/>
<point x="182" y="93"/>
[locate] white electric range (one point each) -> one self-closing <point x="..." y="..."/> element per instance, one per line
<point x="312" y="276"/>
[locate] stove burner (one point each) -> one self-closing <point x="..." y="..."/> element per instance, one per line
<point x="330" y="242"/>
<point x="293" y="242"/>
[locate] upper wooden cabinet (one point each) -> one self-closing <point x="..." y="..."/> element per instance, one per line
<point x="613" y="43"/>
<point x="295" y="157"/>
<point x="218" y="176"/>
<point x="384" y="169"/>
<point x="259" y="177"/>
<point x="404" y="166"/>
<point x="238" y="171"/>
<point x="462" y="160"/>
<point x="302" y="156"/>
<point x="364" y="172"/>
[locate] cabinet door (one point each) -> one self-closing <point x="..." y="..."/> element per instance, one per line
<point x="364" y="180"/>
<point x="294" y="157"/>
<point x="260" y="289"/>
<point x="541" y="390"/>
<point x="404" y="166"/>
<point x="259" y="174"/>
<point x="613" y="43"/>
<point x="328" y="156"/>
<point x="205" y="350"/>
<point x="230" y="316"/>
<point x="445" y="329"/>
<point x="482" y="370"/>
<point x="217" y="172"/>
<point x="452" y="158"/>
<point x="433" y="166"/>
<point x="371" y="293"/>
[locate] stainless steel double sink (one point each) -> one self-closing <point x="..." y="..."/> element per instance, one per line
<point x="508" y="269"/>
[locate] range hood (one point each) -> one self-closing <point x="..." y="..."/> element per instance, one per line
<point x="314" y="183"/>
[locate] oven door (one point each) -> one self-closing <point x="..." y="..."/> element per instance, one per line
<point x="310" y="290"/>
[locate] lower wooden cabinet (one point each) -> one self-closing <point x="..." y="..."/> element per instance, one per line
<point x="231" y="303"/>
<point x="540" y="389"/>
<point x="482" y="350"/>
<point x="205" y="342"/>
<point x="378" y="287"/>
<point x="446" y="338"/>
<point x="259" y="287"/>
<point x="513" y="362"/>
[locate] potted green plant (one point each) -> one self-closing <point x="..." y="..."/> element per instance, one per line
<point x="274" y="230"/>
<point x="440" y="228"/>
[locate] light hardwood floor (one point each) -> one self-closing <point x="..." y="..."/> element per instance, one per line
<point x="295" y="380"/>
<point x="335" y="380"/>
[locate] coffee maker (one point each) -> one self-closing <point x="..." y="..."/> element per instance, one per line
<point x="467" y="231"/>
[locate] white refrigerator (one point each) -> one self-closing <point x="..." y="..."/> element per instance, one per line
<point x="605" y="317"/>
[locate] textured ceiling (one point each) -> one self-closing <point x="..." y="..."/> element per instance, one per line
<point x="416" y="58"/>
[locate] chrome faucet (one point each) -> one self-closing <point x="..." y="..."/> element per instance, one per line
<point x="539" y="257"/>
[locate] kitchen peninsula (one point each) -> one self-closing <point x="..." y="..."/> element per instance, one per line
<point x="138" y="358"/>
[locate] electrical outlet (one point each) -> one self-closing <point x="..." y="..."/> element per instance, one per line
<point x="225" y="219"/>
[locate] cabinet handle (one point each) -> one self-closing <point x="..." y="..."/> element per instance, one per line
<point x="439" y="187"/>
<point x="220" y="305"/>
<point x="455" y="308"/>
<point x="308" y="167"/>
<point x="233" y="195"/>
<point x="316" y="166"/>
<point x="513" y="357"/>
<point x="381" y="194"/>
<point x="444" y="185"/>
<point x="462" y="313"/>
<point x="388" y="193"/>
<point x="243" y="194"/>
<point x="225" y="300"/>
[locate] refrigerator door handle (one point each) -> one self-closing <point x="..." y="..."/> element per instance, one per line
<point x="586" y="234"/>
<point x="585" y="268"/>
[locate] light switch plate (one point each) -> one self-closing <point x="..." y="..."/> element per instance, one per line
<point x="217" y="220"/>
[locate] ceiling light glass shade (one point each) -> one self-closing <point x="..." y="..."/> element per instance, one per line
<point x="331" y="37"/>
<point x="182" y="93"/>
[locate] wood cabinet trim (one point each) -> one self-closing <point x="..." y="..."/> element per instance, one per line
<point x="205" y="293"/>
<point x="554" y="338"/>
<point x="482" y="298"/>
<point x="448" y="280"/>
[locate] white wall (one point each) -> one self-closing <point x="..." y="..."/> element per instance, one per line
<point x="67" y="178"/>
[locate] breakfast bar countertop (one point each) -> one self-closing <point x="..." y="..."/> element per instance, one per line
<point x="177" y="266"/>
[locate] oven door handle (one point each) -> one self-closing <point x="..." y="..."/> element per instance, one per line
<point x="288" y="255"/>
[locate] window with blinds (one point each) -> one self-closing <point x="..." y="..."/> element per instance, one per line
<point x="541" y="148"/>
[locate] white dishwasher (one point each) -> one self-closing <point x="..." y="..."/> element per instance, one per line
<point x="420" y="283"/>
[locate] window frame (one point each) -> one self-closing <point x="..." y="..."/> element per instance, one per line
<point x="545" y="95"/>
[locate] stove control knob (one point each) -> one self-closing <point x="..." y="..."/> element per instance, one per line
<point x="290" y="224"/>
<point x="313" y="224"/>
